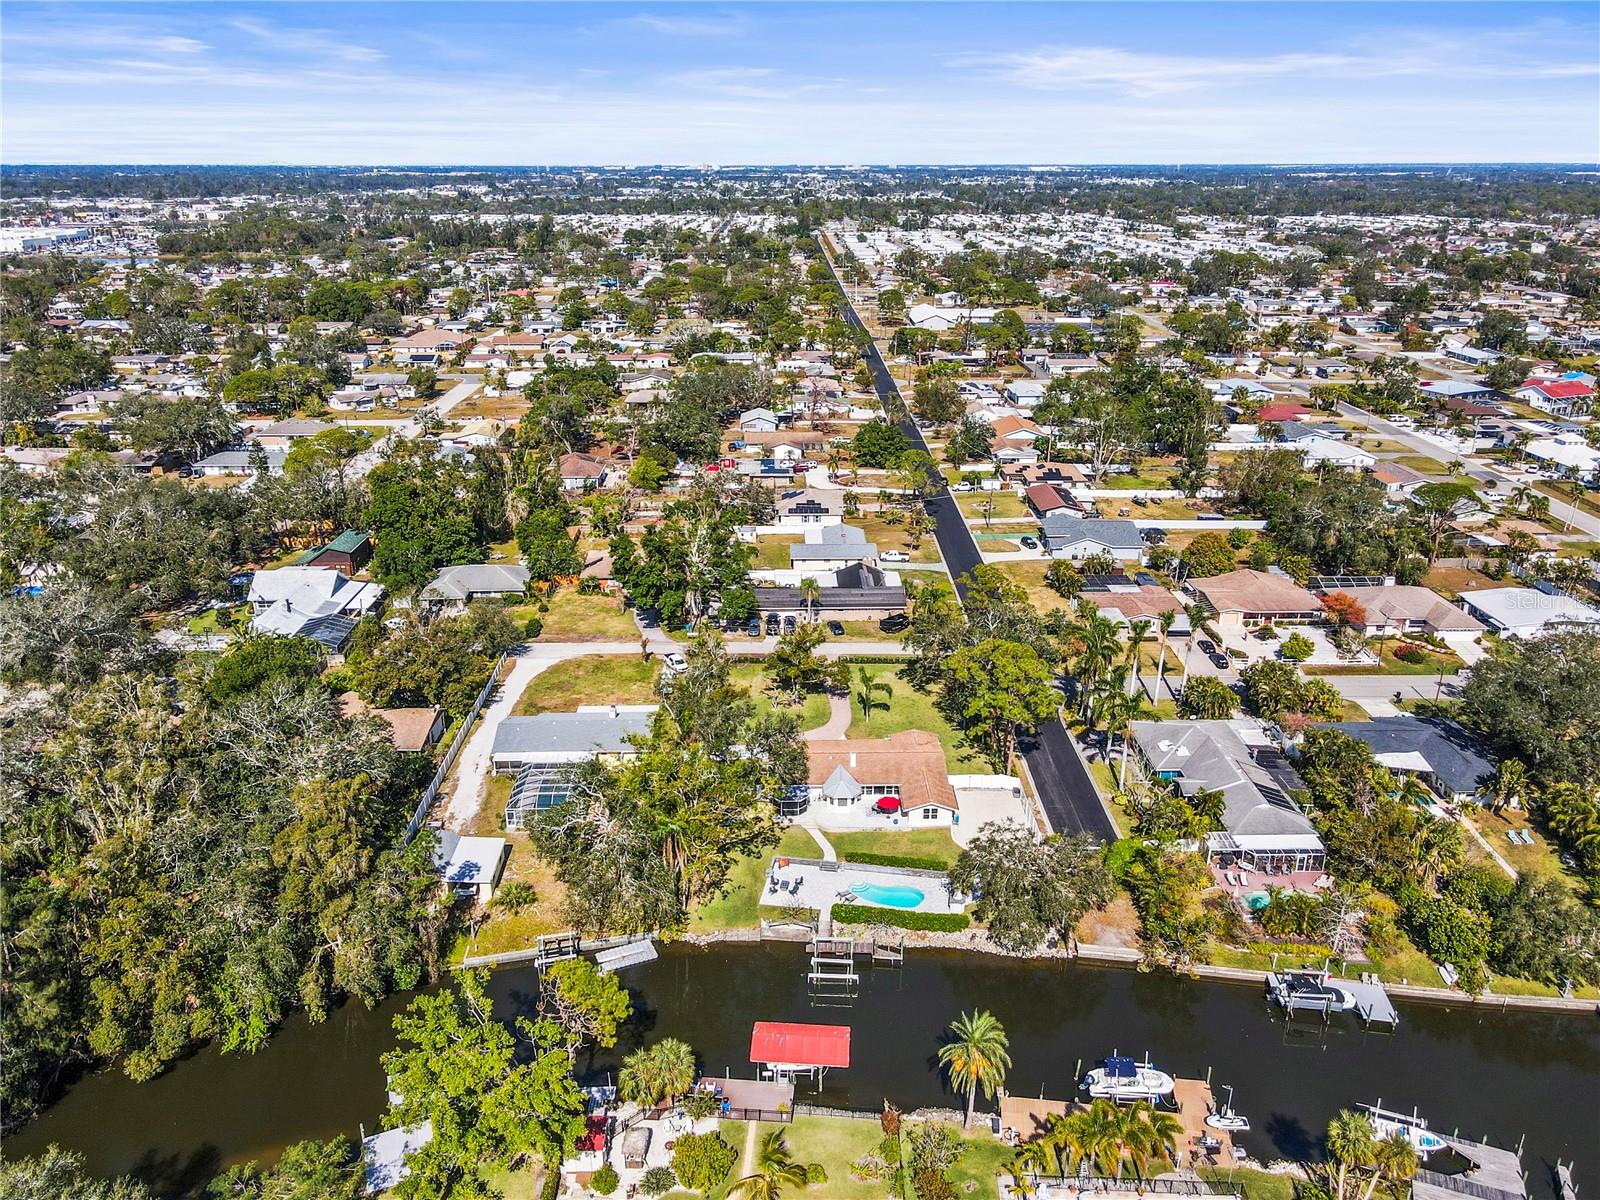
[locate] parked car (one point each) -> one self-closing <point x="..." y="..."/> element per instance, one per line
<point x="1220" y="661"/>
<point x="1030" y="543"/>
<point x="895" y="623"/>
<point x="895" y="556"/>
<point x="773" y="624"/>
<point x="754" y="628"/>
<point x="836" y="629"/>
<point x="788" y="624"/>
<point x="1155" y="537"/>
<point x="1207" y="646"/>
<point x="675" y="662"/>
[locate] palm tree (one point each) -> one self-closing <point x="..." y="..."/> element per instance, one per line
<point x="663" y="1070"/>
<point x="1136" y="634"/>
<point x="976" y="1056"/>
<point x="775" y="1170"/>
<point x="1197" y="614"/>
<point x="1119" y="715"/>
<point x="1510" y="782"/>
<point x="1164" y="623"/>
<point x="1351" y="1143"/>
<point x="810" y="596"/>
<point x="1394" y="1160"/>
<point x="868" y="688"/>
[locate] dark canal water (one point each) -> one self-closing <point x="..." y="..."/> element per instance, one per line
<point x="1487" y="1074"/>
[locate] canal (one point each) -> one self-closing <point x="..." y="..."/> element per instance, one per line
<point x="1500" y="1075"/>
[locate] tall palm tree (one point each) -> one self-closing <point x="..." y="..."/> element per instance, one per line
<point x="1394" y="1160"/>
<point x="868" y="688"/>
<point x="810" y="596"/>
<point x="1510" y="782"/>
<point x="976" y="1056"/>
<point x="1164" y="623"/>
<point x="1197" y="614"/>
<point x="1136" y="635"/>
<point x="1351" y="1143"/>
<point x="1119" y="715"/>
<point x="775" y="1170"/>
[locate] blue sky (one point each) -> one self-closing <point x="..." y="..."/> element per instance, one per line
<point x="824" y="82"/>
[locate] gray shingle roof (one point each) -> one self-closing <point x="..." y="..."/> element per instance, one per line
<point x="1211" y="755"/>
<point x="1061" y="528"/>
<point x="1452" y="754"/>
<point x="569" y="733"/>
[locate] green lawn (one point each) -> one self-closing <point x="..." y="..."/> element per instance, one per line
<point x="1541" y="858"/>
<point x="1388" y="664"/>
<point x="772" y="550"/>
<point x="207" y="623"/>
<point x="866" y="631"/>
<point x="1256" y="1185"/>
<point x="812" y="709"/>
<point x="593" y="679"/>
<point x="1031" y="576"/>
<point x="575" y="618"/>
<point x="837" y="1142"/>
<point x="739" y="907"/>
<point x="893" y="537"/>
<point x="911" y="709"/>
<point x="1006" y="504"/>
<point x="917" y="843"/>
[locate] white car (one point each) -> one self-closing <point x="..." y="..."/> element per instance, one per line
<point x="895" y="556"/>
<point x="675" y="662"/>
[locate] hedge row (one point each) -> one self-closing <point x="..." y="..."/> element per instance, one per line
<point x="866" y="914"/>
<point x="915" y="862"/>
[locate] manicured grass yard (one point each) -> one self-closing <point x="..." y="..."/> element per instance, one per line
<point x="837" y="1142"/>
<point x="1388" y="664"/>
<point x="1006" y="504"/>
<point x="1450" y="582"/>
<point x="575" y="618"/>
<point x="893" y="537"/>
<point x="1031" y="576"/>
<point x="911" y="709"/>
<point x="866" y="631"/>
<point x="1256" y="1185"/>
<point x="593" y="679"/>
<point x="1541" y="858"/>
<point x="740" y="907"/>
<point x="772" y="550"/>
<point x="207" y="623"/>
<point x="918" y="843"/>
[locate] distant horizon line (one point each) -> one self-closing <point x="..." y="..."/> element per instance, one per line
<point x="1417" y="164"/>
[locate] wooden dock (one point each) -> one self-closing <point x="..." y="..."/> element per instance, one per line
<point x="1195" y="1102"/>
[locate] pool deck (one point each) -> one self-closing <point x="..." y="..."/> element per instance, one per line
<point x="821" y="888"/>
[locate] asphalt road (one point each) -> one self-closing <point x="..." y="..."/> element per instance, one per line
<point x="1067" y="794"/>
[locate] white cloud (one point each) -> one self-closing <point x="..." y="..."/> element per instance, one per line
<point x="721" y="25"/>
<point x="313" y="42"/>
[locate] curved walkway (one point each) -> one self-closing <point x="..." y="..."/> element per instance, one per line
<point x="837" y="724"/>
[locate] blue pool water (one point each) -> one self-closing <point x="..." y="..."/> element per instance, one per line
<point x="888" y="897"/>
<point x="1258" y="901"/>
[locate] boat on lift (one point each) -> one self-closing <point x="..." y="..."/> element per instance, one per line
<point x="1126" y="1080"/>
<point x="1412" y="1127"/>
<point x="1224" y="1117"/>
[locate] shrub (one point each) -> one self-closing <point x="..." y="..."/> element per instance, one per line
<point x="604" y="1181"/>
<point x="816" y="1175"/>
<point x="1298" y="648"/>
<point x="515" y="896"/>
<point x="1239" y="538"/>
<point x="532" y="627"/>
<point x="917" y="862"/>
<point x="702" y="1160"/>
<point x="588" y="586"/>
<point x="657" y="1180"/>
<point x="699" y="1106"/>
<point x="1411" y="654"/>
<point x="866" y="914"/>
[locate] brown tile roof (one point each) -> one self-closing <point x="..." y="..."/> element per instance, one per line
<point x="1255" y="591"/>
<point x="1147" y="600"/>
<point x="912" y="759"/>
<point x="409" y="727"/>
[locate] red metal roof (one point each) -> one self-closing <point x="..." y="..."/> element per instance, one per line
<point x="802" y="1045"/>
<point x="1281" y="412"/>
<point x="1562" y="389"/>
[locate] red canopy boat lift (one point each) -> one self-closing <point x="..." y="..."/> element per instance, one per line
<point x="783" y="1049"/>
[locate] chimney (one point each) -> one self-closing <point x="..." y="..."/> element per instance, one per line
<point x="852" y="760"/>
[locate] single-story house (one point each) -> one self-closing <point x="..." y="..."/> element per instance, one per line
<point x="857" y="592"/>
<point x="1123" y="599"/>
<point x="470" y="866"/>
<point x="312" y="602"/>
<point x="1398" y="481"/>
<point x="1444" y="756"/>
<point x="456" y="587"/>
<point x="1246" y="598"/>
<point x="237" y="462"/>
<point x="1399" y="608"/>
<point x="807" y="508"/>
<point x="282" y="434"/>
<point x="554" y="741"/>
<point x="412" y="730"/>
<point x="1562" y="396"/>
<point x="758" y="420"/>
<point x="1567" y="454"/>
<point x="1046" y="498"/>
<point x="1077" y="538"/>
<point x="832" y="548"/>
<point x="580" y="471"/>
<point x="1527" y="612"/>
<point x="902" y="777"/>
<point x="1262" y="825"/>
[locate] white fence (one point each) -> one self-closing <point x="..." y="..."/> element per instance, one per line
<point x="430" y="792"/>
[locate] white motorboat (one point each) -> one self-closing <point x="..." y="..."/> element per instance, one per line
<point x="1411" y="1127"/>
<point x="1223" y="1117"/>
<point x="1123" y="1079"/>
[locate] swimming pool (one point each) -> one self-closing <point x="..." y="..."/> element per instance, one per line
<point x="1258" y="900"/>
<point x="887" y="897"/>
